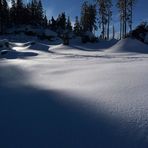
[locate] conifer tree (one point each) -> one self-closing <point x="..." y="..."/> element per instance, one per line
<point x="131" y="4"/>
<point x="19" y="12"/>
<point x="77" y="27"/>
<point x="105" y="17"/>
<point x="109" y="16"/>
<point x="68" y="25"/>
<point x="13" y="16"/>
<point x="53" y="24"/>
<point x="126" y="15"/>
<point x="61" y="22"/>
<point x="45" y="22"/>
<point x="88" y="17"/>
<point x="40" y="13"/>
<point x="4" y="15"/>
<point x="33" y="8"/>
<point x="1" y="16"/>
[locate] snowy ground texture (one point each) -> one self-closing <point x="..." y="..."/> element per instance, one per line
<point x="77" y="96"/>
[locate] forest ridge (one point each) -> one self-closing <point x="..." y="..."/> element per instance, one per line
<point x="94" y="16"/>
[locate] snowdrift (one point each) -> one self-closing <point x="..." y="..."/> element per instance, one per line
<point x="129" y="45"/>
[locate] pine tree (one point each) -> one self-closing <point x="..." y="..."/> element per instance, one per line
<point x="131" y="4"/>
<point x="61" y="23"/>
<point x="103" y="17"/>
<point x="13" y="16"/>
<point x="31" y="13"/>
<point x="126" y="15"/>
<point x="28" y="14"/>
<point x="40" y="13"/>
<point x="109" y="15"/>
<point x="45" y="22"/>
<point x="19" y="12"/>
<point x="68" y="25"/>
<point x="1" y="16"/>
<point x="4" y="15"/>
<point x="34" y="13"/>
<point x="88" y="17"/>
<point x="53" y="24"/>
<point x="77" y="27"/>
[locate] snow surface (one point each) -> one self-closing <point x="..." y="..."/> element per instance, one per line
<point x="65" y="97"/>
<point x="129" y="45"/>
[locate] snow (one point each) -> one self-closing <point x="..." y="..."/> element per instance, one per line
<point x="35" y="30"/>
<point x="64" y="96"/>
<point x="129" y="45"/>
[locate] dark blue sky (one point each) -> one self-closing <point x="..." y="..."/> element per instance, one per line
<point x="54" y="7"/>
<point x="72" y="8"/>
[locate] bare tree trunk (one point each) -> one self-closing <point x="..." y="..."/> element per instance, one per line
<point x="113" y="32"/>
<point x="125" y="18"/>
<point x="108" y="29"/>
<point x="120" y="28"/>
<point x="131" y="27"/>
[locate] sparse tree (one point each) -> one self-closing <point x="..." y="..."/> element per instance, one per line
<point x="131" y="4"/>
<point x="109" y="16"/>
<point x="103" y="18"/>
<point x="88" y="17"/>
<point x="126" y="15"/>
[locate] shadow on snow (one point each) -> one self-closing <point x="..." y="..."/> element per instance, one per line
<point x="31" y="117"/>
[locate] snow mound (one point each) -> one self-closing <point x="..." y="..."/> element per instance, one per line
<point x="129" y="45"/>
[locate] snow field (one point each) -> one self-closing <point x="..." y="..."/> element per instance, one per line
<point x="71" y="97"/>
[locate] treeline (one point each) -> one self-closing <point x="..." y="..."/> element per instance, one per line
<point x="31" y="13"/>
<point x="21" y="14"/>
<point x="94" y="16"/>
<point x="99" y="16"/>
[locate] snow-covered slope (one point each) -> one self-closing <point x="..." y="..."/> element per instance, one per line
<point x="98" y="46"/>
<point x="129" y="45"/>
<point x="65" y="97"/>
